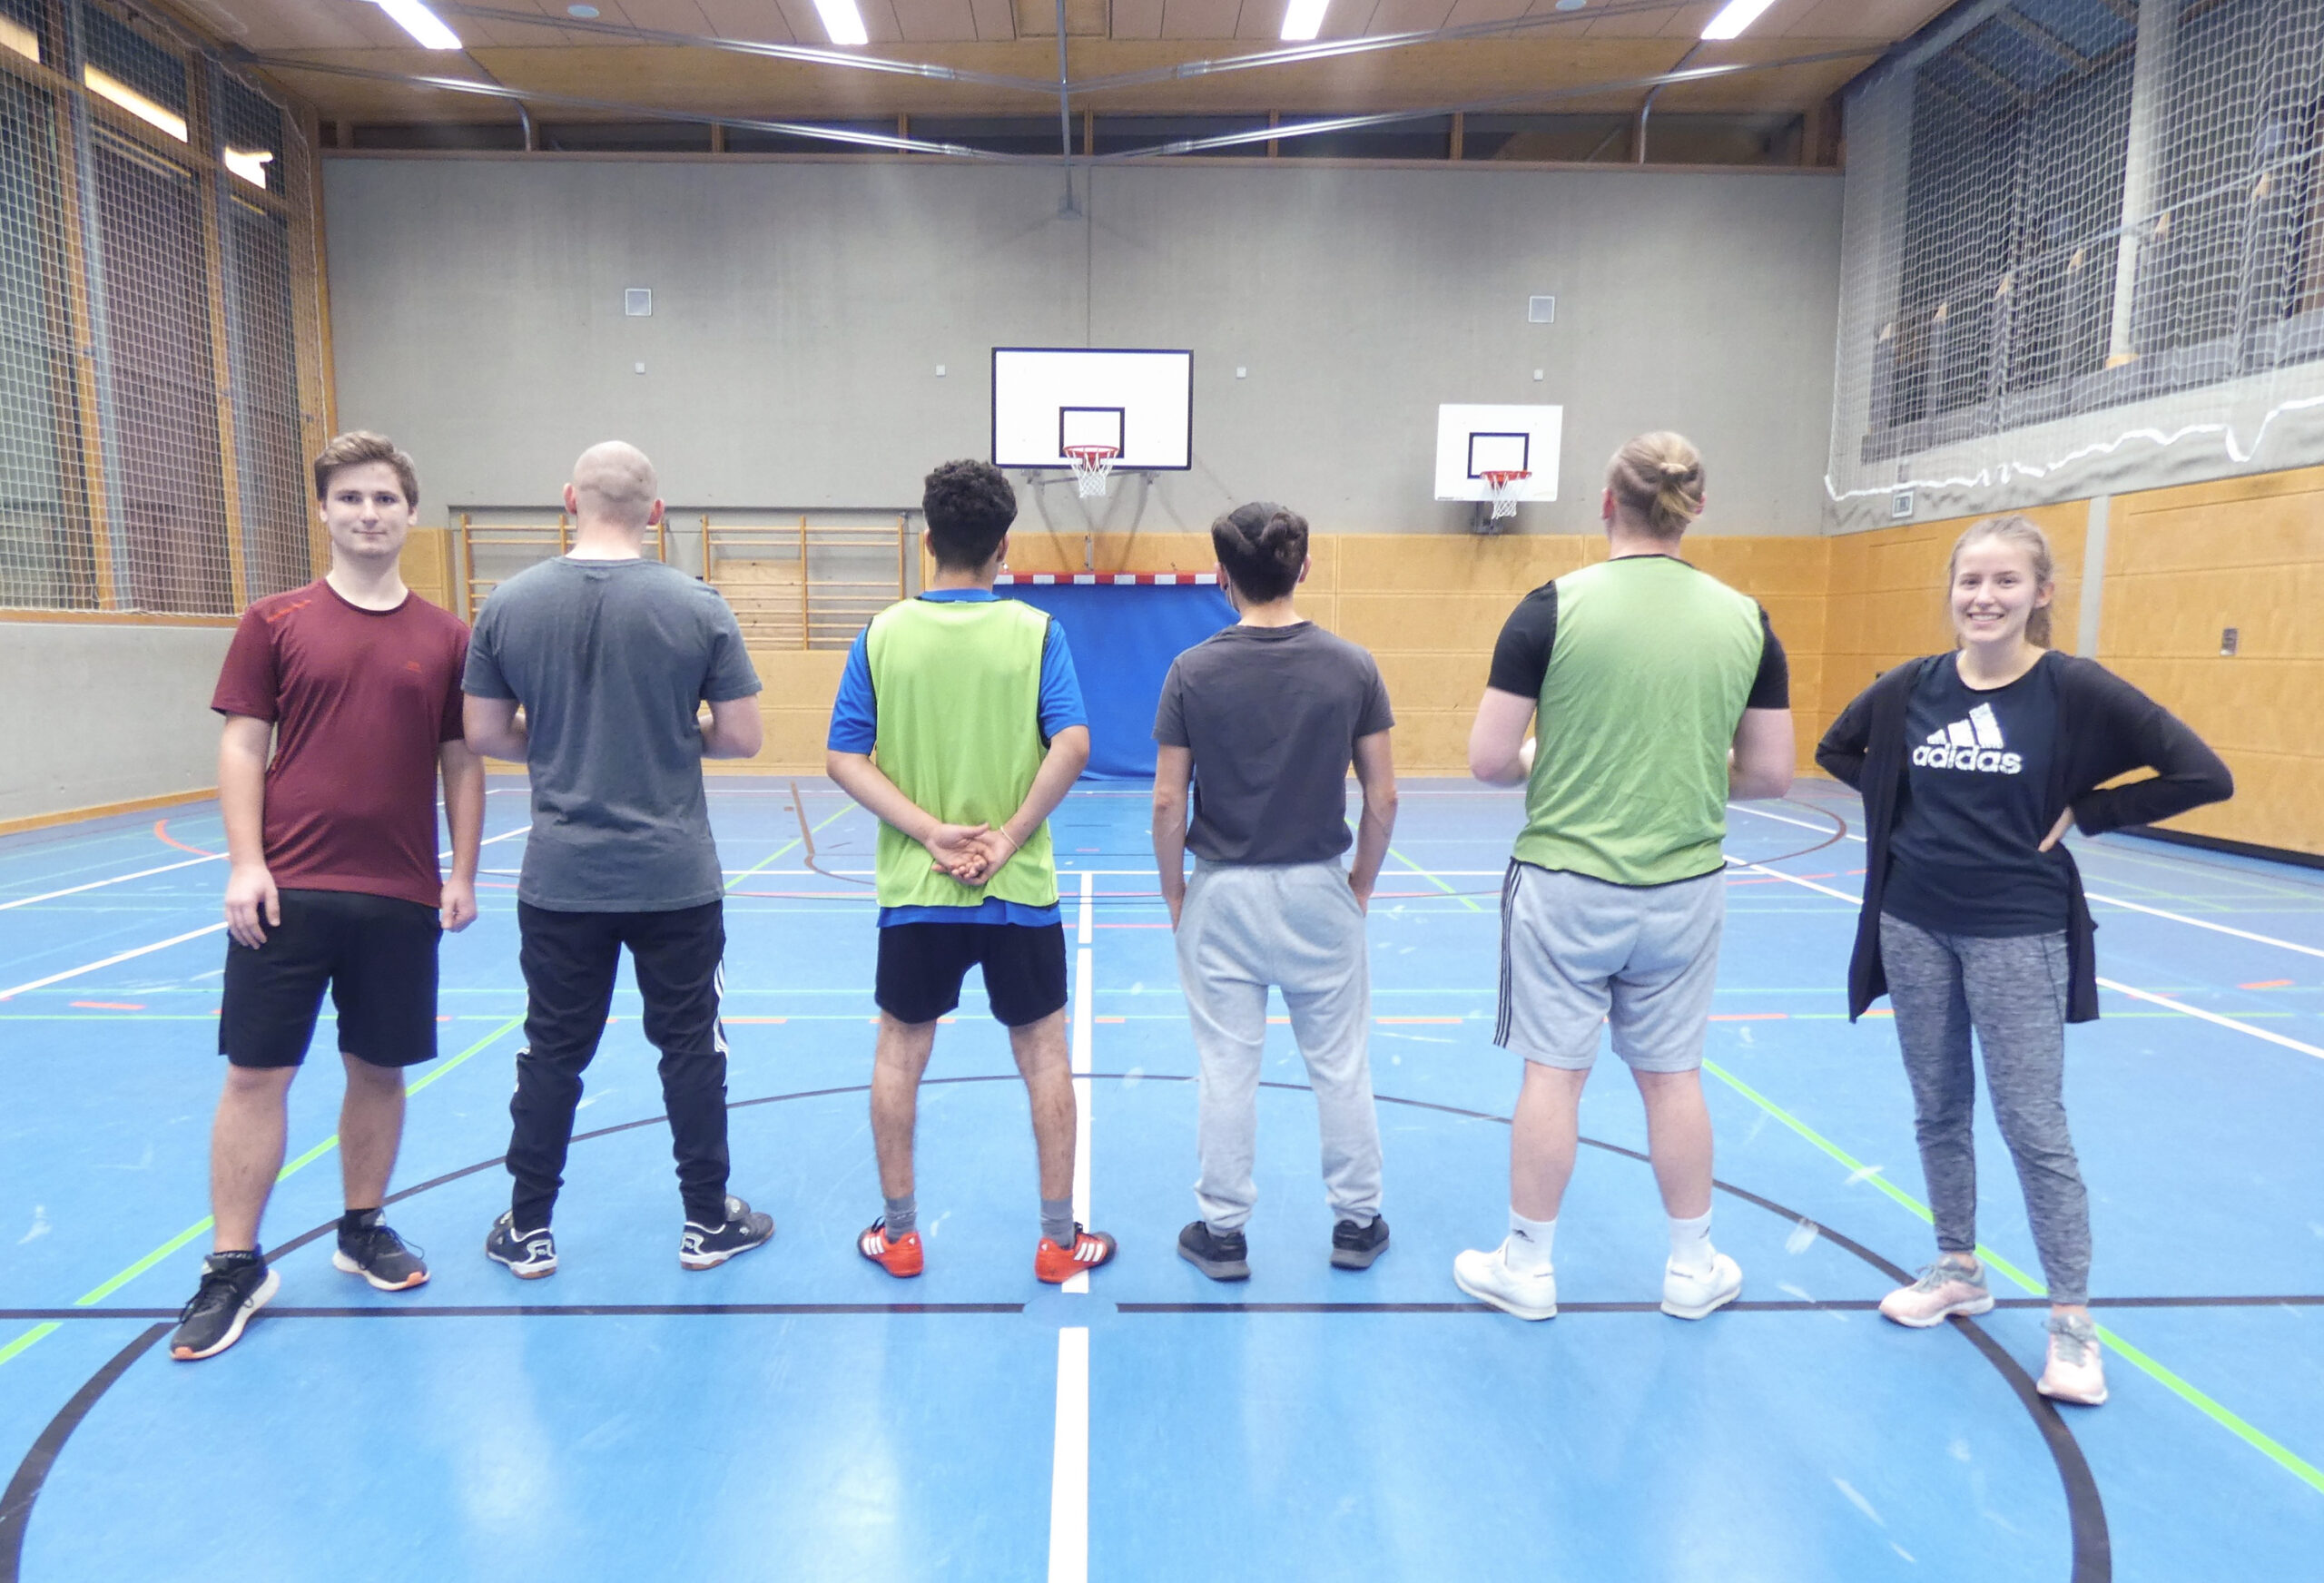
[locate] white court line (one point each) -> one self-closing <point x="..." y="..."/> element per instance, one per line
<point x="2148" y="995"/>
<point x="116" y="879"/>
<point x="1070" y="1466"/>
<point x="176" y="939"/>
<point x="1079" y="1283"/>
<point x="188" y="863"/>
<point x="2265" y="940"/>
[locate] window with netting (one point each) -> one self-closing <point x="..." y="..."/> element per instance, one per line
<point x="160" y="384"/>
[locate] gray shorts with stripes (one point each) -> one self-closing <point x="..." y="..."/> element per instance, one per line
<point x="1577" y="952"/>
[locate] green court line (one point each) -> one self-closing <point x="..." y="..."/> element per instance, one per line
<point x="2257" y="1440"/>
<point x="786" y="847"/>
<point x="98" y="1293"/>
<point x="1468" y="901"/>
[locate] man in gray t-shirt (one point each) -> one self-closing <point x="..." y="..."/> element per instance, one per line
<point x="1265" y="717"/>
<point x="611" y="655"/>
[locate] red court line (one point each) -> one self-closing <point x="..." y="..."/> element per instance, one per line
<point x="2268" y="984"/>
<point x="162" y="833"/>
<point x="106" y="1005"/>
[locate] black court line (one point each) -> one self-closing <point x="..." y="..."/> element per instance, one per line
<point x="618" y="1310"/>
<point x="2093" y="1551"/>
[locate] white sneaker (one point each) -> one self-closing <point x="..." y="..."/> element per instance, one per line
<point x="1692" y="1293"/>
<point x="1488" y="1277"/>
<point x="2073" y="1372"/>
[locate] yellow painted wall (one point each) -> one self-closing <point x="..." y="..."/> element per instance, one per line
<point x="2247" y="553"/>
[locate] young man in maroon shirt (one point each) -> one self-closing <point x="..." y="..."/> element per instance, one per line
<point x="354" y="681"/>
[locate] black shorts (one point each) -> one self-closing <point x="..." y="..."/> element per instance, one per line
<point x="922" y="965"/>
<point x="375" y="953"/>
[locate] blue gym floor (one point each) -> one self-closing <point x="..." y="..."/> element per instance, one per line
<point x="798" y="1414"/>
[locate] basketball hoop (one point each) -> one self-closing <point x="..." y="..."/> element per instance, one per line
<point x="1501" y="484"/>
<point x="1092" y="465"/>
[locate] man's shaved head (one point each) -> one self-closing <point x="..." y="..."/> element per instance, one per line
<point x="616" y="484"/>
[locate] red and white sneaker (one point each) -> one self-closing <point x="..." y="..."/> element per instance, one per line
<point x="899" y="1256"/>
<point x="1057" y="1265"/>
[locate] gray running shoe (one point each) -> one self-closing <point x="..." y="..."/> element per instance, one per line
<point x="1944" y="1290"/>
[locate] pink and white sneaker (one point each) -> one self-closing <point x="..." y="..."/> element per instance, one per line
<point x="2074" y="1372"/>
<point x="1944" y="1289"/>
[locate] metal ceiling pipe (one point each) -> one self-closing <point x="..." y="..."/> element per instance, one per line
<point x="1638" y="138"/>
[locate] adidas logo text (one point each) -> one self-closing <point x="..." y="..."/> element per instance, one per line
<point x="1974" y="743"/>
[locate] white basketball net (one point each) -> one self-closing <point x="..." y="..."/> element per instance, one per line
<point x="1092" y="465"/>
<point x="1504" y="488"/>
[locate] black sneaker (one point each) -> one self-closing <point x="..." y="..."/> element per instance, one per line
<point x="529" y="1255"/>
<point x="702" y="1247"/>
<point x="233" y="1287"/>
<point x="1353" y="1246"/>
<point x="1221" y="1258"/>
<point x="375" y="1253"/>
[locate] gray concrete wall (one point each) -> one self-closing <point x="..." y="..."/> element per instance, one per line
<point x="93" y="714"/>
<point x="801" y="311"/>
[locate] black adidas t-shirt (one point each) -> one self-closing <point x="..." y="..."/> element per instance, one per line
<point x="1964" y="858"/>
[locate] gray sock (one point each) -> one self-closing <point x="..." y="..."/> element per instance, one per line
<point x="902" y="1214"/>
<point x="1057" y="1220"/>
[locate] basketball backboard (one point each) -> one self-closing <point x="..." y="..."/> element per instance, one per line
<point x="1046" y="399"/>
<point x="1472" y="441"/>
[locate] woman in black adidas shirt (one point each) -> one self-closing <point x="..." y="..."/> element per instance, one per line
<point x="1974" y="765"/>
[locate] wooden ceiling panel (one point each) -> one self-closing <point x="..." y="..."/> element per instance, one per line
<point x="1261" y="21"/>
<point x="1210" y="19"/>
<point x="936" y="21"/>
<point x="1136" y="19"/>
<point x="758" y="20"/>
<point x="1001" y="36"/>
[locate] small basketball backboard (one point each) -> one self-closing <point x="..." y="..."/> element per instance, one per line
<point x="1472" y="441"/>
<point x="1047" y="400"/>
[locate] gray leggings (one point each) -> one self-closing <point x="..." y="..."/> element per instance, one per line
<point x="2013" y="992"/>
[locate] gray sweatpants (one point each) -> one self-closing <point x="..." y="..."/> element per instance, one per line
<point x="2013" y="992"/>
<point x="1297" y="927"/>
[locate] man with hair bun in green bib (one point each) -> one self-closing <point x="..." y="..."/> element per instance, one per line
<point x="959" y="724"/>
<point x="1657" y="693"/>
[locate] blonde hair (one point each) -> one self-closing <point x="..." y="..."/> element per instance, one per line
<point x="1656" y="481"/>
<point x="2027" y="536"/>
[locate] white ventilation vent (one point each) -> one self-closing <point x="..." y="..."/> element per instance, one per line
<point x="638" y="301"/>
<point x="1540" y="310"/>
<point x="1900" y="505"/>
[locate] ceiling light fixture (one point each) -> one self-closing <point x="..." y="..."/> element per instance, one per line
<point x="1305" y="19"/>
<point x="1734" y="17"/>
<point x="422" y="24"/>
<point x="582" y="13"/>
<point x="842" y="21"/>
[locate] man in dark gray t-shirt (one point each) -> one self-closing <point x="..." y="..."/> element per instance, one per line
<point x="1265" y="719"/>
<point x="610" y="657"/>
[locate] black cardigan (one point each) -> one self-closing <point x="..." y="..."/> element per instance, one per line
<point x="2106" y="728"/>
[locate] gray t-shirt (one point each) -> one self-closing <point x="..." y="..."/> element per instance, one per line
<point x="610" y="659"/>
<point x="1271" y="713"/>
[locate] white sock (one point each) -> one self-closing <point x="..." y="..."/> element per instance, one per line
<point x="1691" y="1249"/>
<point x="1528" y="1243"/>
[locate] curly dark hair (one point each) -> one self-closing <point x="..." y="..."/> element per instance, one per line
<point x="969" y="506"/>
<point x="1262" y="546"/>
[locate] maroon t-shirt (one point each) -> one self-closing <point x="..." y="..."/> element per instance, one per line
<point x="361" y="700"/>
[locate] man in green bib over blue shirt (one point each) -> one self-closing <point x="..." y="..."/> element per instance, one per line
<point x="1657" y="692"/>
<point x="959" y="724"/>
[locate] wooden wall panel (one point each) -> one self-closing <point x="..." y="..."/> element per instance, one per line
<point x="427" y="567"/>
<point x="2182" y="566"/>
<point x="796" y="707"/>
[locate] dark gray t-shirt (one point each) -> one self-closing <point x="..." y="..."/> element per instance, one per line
<point x="610" y="659"/>
<point x="1272" y="714"/>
